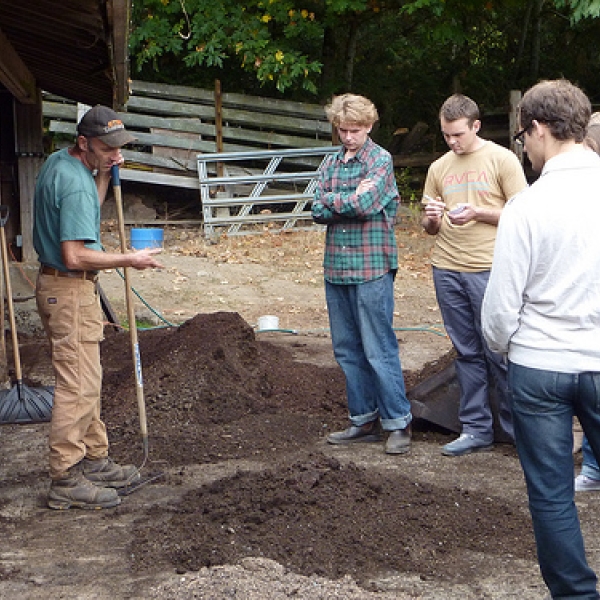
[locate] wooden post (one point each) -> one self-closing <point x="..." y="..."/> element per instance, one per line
<point x="4" y="375"/>
<point x="219" y="123"/>
<point x="513" y="123"/>
<point x="30" y="157"/>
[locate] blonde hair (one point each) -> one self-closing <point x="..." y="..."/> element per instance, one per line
<point x="350" y="108"/>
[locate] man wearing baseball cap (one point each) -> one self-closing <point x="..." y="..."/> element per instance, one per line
<point x="70" y="190"/>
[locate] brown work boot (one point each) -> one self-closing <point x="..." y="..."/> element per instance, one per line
<point x="370" y="432"/>
<point x="75" y="491"/>
<point x="398" y="441"/>
<point x="107" y="473"/>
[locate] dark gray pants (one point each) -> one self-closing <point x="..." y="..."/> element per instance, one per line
<point x="459" y="296"/>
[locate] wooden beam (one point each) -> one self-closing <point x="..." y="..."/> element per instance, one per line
<point x="160" y="179"/>
<point x="416" y="160"/>
<point x="29" y="146"/>
<point x="15" y="76"/>
<point x="119" y="17"/>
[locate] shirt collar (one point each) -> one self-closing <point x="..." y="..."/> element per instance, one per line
<point x="361" y="154"/>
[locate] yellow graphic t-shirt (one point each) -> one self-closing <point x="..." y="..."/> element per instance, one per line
<point x="488" y="178"/>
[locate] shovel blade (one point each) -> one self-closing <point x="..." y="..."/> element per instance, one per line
<point x="22" y="404"/>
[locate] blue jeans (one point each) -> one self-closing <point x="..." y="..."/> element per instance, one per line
<point x="543" y="404"/>
<point x="590" y="467"/>
<point x="459" y="297"/>
<point x="366" y="348"/>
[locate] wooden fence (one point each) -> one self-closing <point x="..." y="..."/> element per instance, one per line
<point x="174" y="124"/>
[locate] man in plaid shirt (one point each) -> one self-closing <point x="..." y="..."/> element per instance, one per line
<point x="357" y="199"/>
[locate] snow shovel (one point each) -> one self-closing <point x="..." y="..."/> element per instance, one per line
<point x="20" y="404"/>
<point x="135" y="348"/>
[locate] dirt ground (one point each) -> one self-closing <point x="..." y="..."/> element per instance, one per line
<point x="252" y="503"/>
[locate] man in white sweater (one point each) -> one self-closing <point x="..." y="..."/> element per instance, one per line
<point x="542" y="309"/>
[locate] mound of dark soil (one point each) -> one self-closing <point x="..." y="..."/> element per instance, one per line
<point x="317" y="516"/>
<point x="214" y="392"/>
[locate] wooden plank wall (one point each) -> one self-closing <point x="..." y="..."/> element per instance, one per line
<point x="174" y="124"/>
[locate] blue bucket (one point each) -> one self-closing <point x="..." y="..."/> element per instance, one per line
<point x="146" y="238"/>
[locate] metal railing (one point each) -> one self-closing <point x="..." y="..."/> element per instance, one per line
<point x="237" y="187"/>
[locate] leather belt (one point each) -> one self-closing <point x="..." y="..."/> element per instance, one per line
<point x="89" y="275"/>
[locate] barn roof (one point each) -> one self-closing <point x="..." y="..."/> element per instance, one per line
<point x="72" y="48"/>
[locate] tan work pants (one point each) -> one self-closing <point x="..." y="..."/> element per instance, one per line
<point x="72" y="318"/>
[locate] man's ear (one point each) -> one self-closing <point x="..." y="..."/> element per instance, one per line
<point x="537" y="127"/>
<point x="82" y="142"/>
<point x="476" y="125"/>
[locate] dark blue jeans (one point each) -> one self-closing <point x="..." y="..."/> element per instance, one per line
<point x="366" y="348"/>
<point x="459" y="297"/>
<point x="543" y="404"/>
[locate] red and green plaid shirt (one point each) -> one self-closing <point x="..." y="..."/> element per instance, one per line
<point x="360" y="244"/>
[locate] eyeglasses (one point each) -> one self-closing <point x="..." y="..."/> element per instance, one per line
<point x="519" y="138"/>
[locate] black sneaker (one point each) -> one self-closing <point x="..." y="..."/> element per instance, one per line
<point x="75" y="491"/>
<point x="371" y="432"/>
<point x="107" y="473"/>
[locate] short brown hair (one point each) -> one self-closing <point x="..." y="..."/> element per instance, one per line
<point x="459" y="106"/>
<point x="350" y="108"/>
<point x="560" y="105"/>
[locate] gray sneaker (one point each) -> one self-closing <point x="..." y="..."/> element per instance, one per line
<point x="466" y="443"/>
<point x="586" y="484"/>
<point x="75" y="491"/>
<point x="107" y="473"/>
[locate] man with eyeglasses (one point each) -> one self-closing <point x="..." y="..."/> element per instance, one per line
<point x="70" y="190"/>
<point x="465" y="192"/>
<point x="542" y="310"/>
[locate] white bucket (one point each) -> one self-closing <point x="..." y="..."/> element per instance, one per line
<point x="268" y="323"/>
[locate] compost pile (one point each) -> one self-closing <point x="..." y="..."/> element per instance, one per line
<point x="214" y="392"/>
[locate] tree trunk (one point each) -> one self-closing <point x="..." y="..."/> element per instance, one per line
<point x="536" y="41"/>
<point x="523" y="38"/>
<point x="351" y="44"/>
<point x="328" y="55"/>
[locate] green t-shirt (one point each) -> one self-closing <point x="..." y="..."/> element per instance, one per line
<point x="66" y="207"/>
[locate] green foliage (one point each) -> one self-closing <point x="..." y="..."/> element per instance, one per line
<point x="581" y="9"/>
<point x="405" y="181"/>
<point x="267" y="38"/>
<point x="406" y="55"/>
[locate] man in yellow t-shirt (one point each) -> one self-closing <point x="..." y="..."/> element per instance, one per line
<point x="464" y="194"/>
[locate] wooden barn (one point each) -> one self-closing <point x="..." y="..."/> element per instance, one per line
<point x="76" y="49"/>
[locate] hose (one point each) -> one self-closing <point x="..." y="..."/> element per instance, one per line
<point x="427" y="329"/>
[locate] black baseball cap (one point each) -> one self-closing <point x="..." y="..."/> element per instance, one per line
<point x="104" y="123"/>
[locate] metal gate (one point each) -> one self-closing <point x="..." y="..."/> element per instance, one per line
<point x="241" y="189"/>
